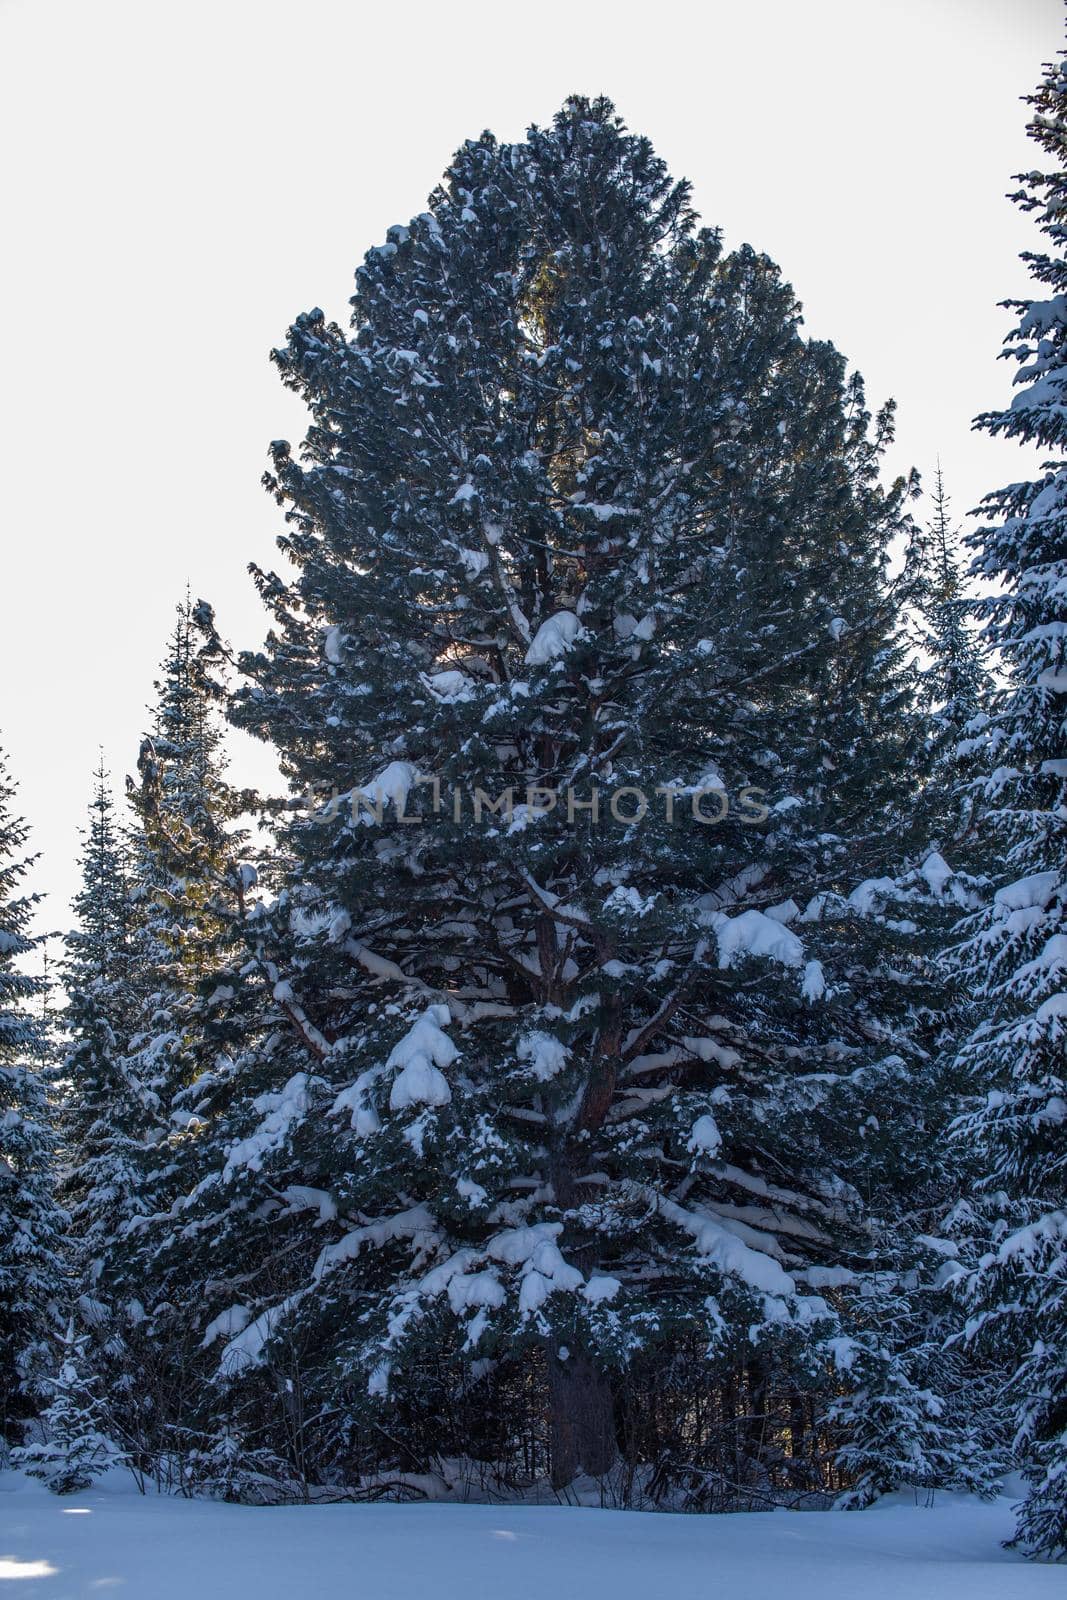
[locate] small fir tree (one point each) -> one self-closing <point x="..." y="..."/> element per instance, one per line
<point x="75" y="1449"/>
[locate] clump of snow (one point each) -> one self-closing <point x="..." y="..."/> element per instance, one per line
<point x="626" y="626"/>
<point x="1028" y="893"/>
<point x="475" y="561"/>
<point x="450" y="686"/>
<point x="523" y="816"/>
<point x="626" y="898"/>
<point x="553" y="638"/>
<point x="391" y="787"/>
<point x="844" y="1351"/>
<point x="544" y="1270"/>
<point x="601" y="1287"/>
<point x="420" y="1054"/>
<point x="753" y="933"/>
<point x="1054" y="1009"/>
<point x="514" y="1246"/>
<point x="937" y="872"/>
<point x="227" y="1324"/>
<point x="378" y="966"/>
<point x="472" y="1192"/>
<point x="814" y="985"/>
<point x="303" y="1198"/>
<point x="414" y="1223"/>
<point x="602" y="512"/>
<point x="547" y="1056"/>
<point x="472" y="1289"/>
<point x="827" y="1277"/>
<point x="705" y="1138"/>
<point x="246" y="1350"/>
<point x="712" y="1050"/>
<point x="333" y="644"/>
<point x="279" y="1112"/>
<point x="726" y="1251"/>
<point x="364" y="1118"/>
<point x="1054" y="953"/>
<point x="867" y="896"/>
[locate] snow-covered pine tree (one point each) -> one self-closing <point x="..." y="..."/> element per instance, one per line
<point x="185" y="850"/>
<point x="908" y="1414"/>
<point x="913" y="1416"/>
<point x="955" y="682"/>
<point x="1015" y="953"/>
<point x="541" y="1093"/>
<point x="108" y="1119"/>
<point x="142" y="1042"/>
<point x="31" y="1225"/>
<point x="75" y="1449"/>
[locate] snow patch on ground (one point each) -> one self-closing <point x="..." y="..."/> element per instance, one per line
<point x="112" y="1541"/>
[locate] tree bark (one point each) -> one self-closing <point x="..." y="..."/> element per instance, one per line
<point x="581" y="1419"/>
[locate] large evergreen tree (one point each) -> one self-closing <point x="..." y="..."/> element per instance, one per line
<point x="573" y="1100"/>
<point x="584" y="1085"/>
<point x="30" y="1224"/>
<point x="1015" y="955"/>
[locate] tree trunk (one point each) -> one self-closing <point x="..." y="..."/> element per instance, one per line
<point x="581" y="1419"/>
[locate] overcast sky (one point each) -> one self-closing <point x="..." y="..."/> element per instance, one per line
<point x="179" y="181"/>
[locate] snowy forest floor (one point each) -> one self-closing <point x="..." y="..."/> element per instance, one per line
<point x="109" y="1541"/>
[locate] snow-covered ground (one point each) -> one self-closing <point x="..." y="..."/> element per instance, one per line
<point x="108" y="1542"/>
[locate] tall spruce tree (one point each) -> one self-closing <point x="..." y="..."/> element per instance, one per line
<point x="184" y="851"/>
<point x="560" y="1047"/>
<point x="108" y="1117"/>
<point x="955" y="682"/>
<point x="31" y="1226"/>
<point x="182" y="866"/>
<point x="915" y="1414"/>
<point x="1015" y="954"/>
<point x="152" y="916"/>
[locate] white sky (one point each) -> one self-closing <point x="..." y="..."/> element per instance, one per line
<point x="178" y="182"/>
